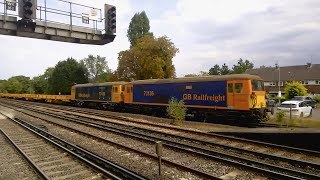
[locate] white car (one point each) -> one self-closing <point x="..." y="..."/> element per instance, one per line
<point x="298" y="109"/>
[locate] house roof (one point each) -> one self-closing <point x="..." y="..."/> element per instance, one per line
<point x="288" y="73"/>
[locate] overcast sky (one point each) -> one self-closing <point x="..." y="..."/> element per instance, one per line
<point x="207" y="32"/>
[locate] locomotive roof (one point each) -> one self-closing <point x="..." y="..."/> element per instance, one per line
<point x="101" y="84"/>
<point x="199" y="79"/>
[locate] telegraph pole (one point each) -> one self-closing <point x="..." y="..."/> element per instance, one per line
<point x="279" y="92"/>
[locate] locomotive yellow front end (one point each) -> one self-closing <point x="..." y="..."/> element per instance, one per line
<point x="257" y="100"/>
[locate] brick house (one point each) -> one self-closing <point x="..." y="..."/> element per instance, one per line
<point x="308" y="75"/>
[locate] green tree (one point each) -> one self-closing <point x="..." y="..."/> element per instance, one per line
<point x="19" y="84"/>
<point x="295" y="89"/>
<point x="176" y="110"/>
<point x="98" y="68"/>
<point x="40" y="83"/>
<point x="3" y="86"/>
<point x="106" y="77"/>
<point x="242" y="66"/>
<point x="149" y="58"/>
<point x="201" y="73"/>
<point x="46" y="76"/>
<point x="48" y="73"/>
<point x="191" y="75"/>
<point x="139" y="26"/>
<point x="67" y="73"/>
<point x="14" y="86"/>
<point x="263" y="66"/>
<point x="224" y="69"/>
<point x="216" y="70"/>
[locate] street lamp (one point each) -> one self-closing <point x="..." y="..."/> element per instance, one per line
<point x="279" y="92"/>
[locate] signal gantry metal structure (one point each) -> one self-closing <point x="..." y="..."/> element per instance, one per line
<point x="63" y="21"/>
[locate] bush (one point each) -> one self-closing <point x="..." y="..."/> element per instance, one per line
<point x="282" y="98"/>
<point x="295" y="89"/>
<point x="176" y="110"/>
<point x="280" y="116"/>
<point x="317" y="99"/>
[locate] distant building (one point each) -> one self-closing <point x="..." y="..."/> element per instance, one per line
<point x="308" y="75"/>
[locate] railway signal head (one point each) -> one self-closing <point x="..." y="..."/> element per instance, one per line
<point x="110" y="19"/>
<point x="27" y="9"/>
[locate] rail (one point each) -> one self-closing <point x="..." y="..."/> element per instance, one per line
<point x="271" y="170"/>
<point x="33" y="165"/>
<point x="106" y="167"/>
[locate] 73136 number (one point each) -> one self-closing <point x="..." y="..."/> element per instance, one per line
<point x="148" y="93"/>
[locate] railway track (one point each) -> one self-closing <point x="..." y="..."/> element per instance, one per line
<point x="55" y="158"/>
<point x="209" y="135"/>
<point x="263" y="124"/>
<point x="13" y="159"/>
<point x="296" y="173"/>
<point x="141" y="153"/>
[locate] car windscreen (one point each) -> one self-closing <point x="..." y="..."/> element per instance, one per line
<point x="288" y="105"/>
<point x="271" y="102"/>
<point x="298" y="98"/>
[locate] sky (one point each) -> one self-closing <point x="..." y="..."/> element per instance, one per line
<point x="207" y="32"/>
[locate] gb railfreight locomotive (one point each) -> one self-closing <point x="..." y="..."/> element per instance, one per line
<point x="238" y="96"/>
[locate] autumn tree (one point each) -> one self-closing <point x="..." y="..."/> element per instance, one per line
<point x="139" y="26"/>
<point x="98" y="68"/>
<point x="242" y="66"/>
<point x="216" y="70"/>
<point x="67" y="73"/>
<point x="295" y="89"/>
<point x="149" y="58"/>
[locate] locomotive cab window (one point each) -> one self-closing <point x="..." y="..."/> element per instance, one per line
<point x="115" y="89"/>
<point x="102" y="89"/>
<point x="230" y="88"/>
<point x="238" y="87"/>
<point x="257" y="85"/>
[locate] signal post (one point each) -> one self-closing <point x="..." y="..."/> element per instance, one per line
<point x="27" y="12"/>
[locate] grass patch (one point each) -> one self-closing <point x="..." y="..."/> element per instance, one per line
<point x="301" y="122"/>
